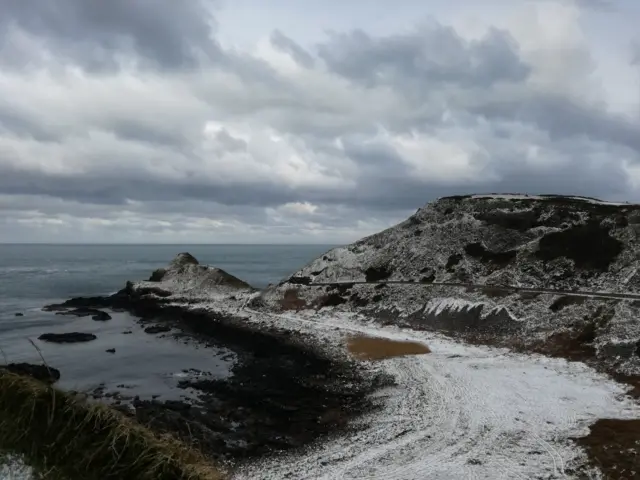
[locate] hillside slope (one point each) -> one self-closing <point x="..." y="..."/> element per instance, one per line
<point x="484" y="243"/>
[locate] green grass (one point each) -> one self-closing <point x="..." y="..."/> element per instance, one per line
<point x="63" y="438"/>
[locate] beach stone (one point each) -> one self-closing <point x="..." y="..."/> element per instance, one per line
<point x="71" y="337"/>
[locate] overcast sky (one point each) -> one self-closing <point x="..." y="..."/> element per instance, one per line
<point x="315" y="121"/>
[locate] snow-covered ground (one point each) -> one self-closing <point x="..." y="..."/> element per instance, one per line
<point x="461" y="412"/>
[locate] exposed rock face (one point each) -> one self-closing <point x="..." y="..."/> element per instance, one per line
<point x="479" y="244"/>
<point x="566" y="241"/>
<point x="184" y="278"/>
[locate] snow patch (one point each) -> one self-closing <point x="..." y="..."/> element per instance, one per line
<point x="439" y="305"/>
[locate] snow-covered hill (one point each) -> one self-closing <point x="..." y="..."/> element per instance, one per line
<point x="483" y="242"/>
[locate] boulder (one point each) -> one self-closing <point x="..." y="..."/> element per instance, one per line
<point x="158" y="275"/>
<point x="157" y="329"/>
<point x="101" y="316"/>
<point x="70" y="337"/>
<point x="43" y="373"/>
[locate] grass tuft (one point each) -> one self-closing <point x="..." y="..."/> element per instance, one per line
<point x="65" y="438"/>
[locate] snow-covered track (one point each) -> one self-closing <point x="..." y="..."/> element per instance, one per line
<point x="461" y="412"/>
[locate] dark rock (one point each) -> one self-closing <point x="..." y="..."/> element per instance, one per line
<point x="110" y="350"/>
<point x="358" y="301"/>
<point x="331" y="300"/>
<point x="590" y="246"/>
<point x="428" y="278"/>
<point x="477" y="250"/>
<point x="98" y="315"/>
<point x="158" y="275"/>
<point x="43" y="373"/>
<point x="377" y="274"/>
<point x="127" y="332"/>
<point x="71" y="337"/>
<point x="54" y="308"/>
<point x="565" y="301"/>
<point x="157" y="329"/>
<point x="160" y="292"/>
<point x="19" y="314"/>
<point x="300" y="280"/>
<point x="101" y="316"/>
<point x="453" y="261"/>
<point x="177" y="405"/>
<point x="341" y="288"/>
<point x="85" y="302"/>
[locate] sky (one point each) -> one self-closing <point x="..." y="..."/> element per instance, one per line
<point x="281" y="121"/>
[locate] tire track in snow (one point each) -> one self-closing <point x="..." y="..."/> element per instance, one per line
<point x="460" y="412"/>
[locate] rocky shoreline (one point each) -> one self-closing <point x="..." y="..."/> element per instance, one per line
<point x="284" y="392"/>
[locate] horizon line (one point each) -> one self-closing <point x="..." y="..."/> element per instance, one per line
<point x="161" y="244"/>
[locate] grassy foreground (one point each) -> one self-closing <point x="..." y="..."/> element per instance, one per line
<point x="63" y="438"/>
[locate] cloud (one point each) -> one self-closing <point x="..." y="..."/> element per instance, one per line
<point x="101" y="35"/>
<point x="430" y="56"/>
<point x="134" y="123"/>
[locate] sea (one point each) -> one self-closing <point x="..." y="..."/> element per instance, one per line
<point x="149" y="366"/>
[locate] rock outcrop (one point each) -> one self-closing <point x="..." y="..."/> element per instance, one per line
<point x="44" y="373"/>
<point x="71" y="337"/>
<point x="97" y="315"/>
<point x="184" y="278"/>
<point x="553" y="242"/>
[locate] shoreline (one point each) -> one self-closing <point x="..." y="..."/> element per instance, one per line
<point x="284" y="393"/>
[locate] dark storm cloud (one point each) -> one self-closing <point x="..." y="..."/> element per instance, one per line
<point x="93" y="33"/>
<point x="140" y="132"/>
<point x="434" y="54"/>
<point x="561" y="117"/>
<point x="16" y="123"/>
<point x="118" y="186"/>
